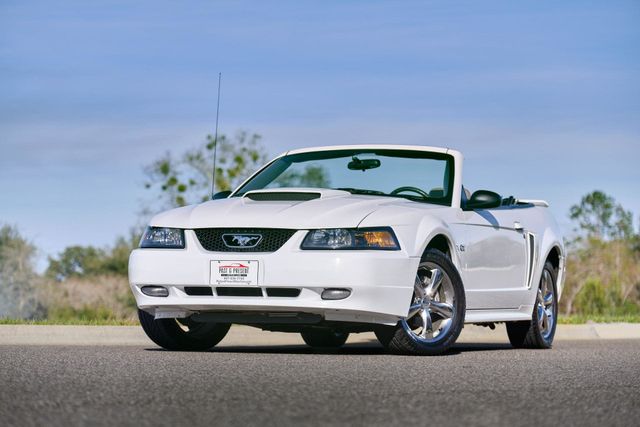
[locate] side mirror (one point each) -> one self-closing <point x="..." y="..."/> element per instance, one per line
<point x="221" y="195"/>
<point x="483" y="199"/>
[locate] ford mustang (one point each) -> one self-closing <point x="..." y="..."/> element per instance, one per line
<point x="336" y="240"/>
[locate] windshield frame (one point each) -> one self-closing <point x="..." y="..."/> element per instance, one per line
<point x="345" y="152"/>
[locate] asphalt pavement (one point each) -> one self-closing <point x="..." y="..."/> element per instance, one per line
<point x="577" y="383"/>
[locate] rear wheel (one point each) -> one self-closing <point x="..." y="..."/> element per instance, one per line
<point x="539" y="331"/>
<point x="324" y="338"/>
<point x="182" y="334"/>
<point x="436" y="313"/>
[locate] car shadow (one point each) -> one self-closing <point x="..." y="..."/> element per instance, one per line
<point x="371" y="348"/>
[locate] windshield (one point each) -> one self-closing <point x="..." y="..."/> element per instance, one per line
<point x="416" y="175"/>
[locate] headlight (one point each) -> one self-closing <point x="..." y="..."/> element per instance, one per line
<point x="342" y="238"/>
<point x="159" y="237"/>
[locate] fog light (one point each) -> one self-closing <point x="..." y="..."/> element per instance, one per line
<point x="155" y="291"/>
<point x="335" y="293"/>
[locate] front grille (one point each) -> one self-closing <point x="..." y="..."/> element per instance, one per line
<point x="272" y="238"/>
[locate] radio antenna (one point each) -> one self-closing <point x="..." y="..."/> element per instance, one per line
<point x="215" y="141"/>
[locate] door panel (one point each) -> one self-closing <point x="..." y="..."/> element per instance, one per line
<point x="494" y="259"/>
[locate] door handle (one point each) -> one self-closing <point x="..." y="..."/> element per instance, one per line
<point x="517" y="226"/>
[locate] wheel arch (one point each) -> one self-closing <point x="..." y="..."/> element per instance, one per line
<point x="443" y="241"/>
<point x="440" y="242"/>
<point x="555" y="256"/>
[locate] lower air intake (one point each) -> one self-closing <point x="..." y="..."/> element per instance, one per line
<point x="198" y="290"/>
<point x="283" y="292"/>
<point x="229" y="291"/>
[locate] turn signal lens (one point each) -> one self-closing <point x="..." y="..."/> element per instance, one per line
<point x="379" y="239"/>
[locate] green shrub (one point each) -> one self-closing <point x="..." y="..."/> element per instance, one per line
<point x="592" y="298"/>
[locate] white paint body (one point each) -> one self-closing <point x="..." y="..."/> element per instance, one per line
<point x="499" y="253"/>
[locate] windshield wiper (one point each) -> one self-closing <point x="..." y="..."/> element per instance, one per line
<point x="382" y="193"/>
<point x="362" y="191"/>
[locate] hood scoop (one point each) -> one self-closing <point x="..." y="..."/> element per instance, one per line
<point x="282" y="196"/>
<point x="293" y="194"/>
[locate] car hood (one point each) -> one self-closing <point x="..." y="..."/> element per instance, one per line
<point x="330" y="209"/>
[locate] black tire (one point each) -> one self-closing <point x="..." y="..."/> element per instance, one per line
<point x="169" y="334"/>
<point x="384" y="334"/>
<point x="324" y="338"/>
<point x="398" y="340"/>
<point x="528" y="333"/>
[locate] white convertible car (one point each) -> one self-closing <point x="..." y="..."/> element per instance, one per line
<point x="336" y="240"/>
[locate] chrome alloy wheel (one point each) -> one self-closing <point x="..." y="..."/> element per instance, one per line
<point x="432" y="310"/>
<point x="546" y="302"/>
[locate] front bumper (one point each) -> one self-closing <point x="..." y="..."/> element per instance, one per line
<point x="381" y="282"/>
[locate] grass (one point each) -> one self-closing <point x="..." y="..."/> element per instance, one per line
<point x="78" y="321"/>
<point x="577" y="319"/>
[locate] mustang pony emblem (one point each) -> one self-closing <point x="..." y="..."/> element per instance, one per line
<point x="241" y="240"/>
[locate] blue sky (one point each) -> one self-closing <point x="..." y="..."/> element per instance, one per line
<point x="542" y="97"/>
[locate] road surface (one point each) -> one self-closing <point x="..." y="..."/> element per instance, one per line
<point x="582" y="383"/>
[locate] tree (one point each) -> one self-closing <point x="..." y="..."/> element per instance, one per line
<point x="18" y="280"/>
<point x="603" y="271"/>
<point x="76" y="261"/>
<point x="87" y="261"/>
<point x="623" y="225"/>
<point x="186" y="179"/>
<point x="593" y="214"/>
<point x="117" y="261"/>
<point x="598" y="216"/>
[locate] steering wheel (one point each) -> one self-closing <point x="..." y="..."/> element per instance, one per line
<point x="413" y="189"/>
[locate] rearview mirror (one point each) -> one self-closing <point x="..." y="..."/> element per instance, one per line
<point x="483" y="199"/>
<point x="357" y="164"/>
<point x="221" y="195"/>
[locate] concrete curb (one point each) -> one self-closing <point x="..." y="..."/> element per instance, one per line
<point x="246" y="336"/>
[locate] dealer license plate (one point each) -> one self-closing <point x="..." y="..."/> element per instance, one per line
<point x="243" y="273"/>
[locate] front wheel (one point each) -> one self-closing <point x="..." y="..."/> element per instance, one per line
<point x="182" y="334"/>
<point x="539" y="331"/>
<point x="436" y="313"/>
<point x="324" y="338"/>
